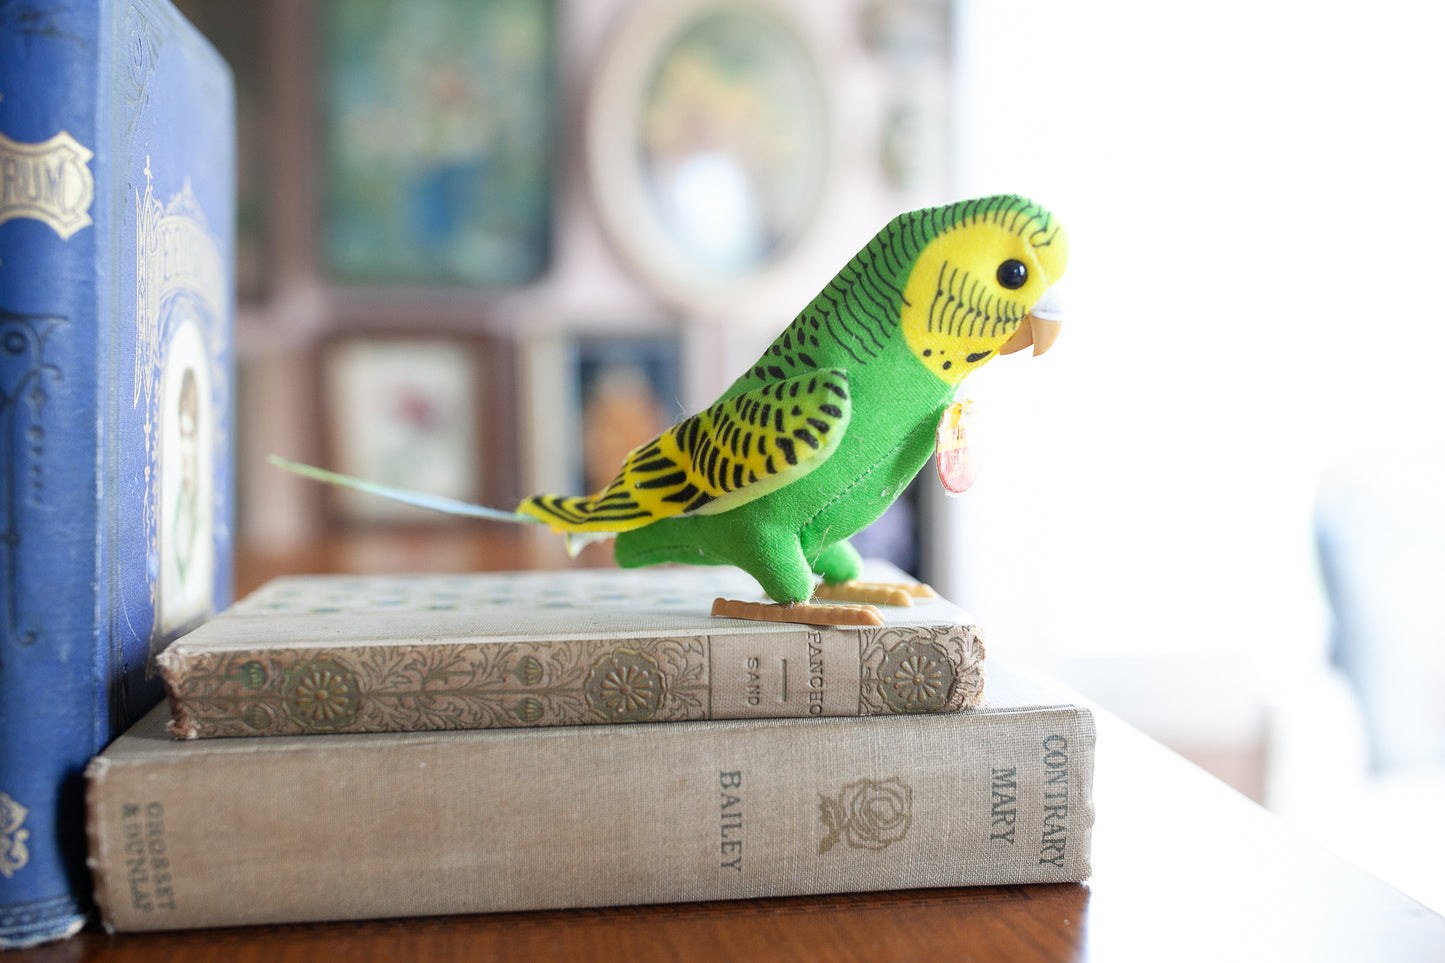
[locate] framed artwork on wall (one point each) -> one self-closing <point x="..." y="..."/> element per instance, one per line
<point x="438" y="148"/>
<point x="710" y="145"/>
<point x="592" y="399"/>
<point x="408" y="411"/>
<point x="626" y="393"/>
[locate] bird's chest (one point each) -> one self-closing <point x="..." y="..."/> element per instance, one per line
<point x="868" y="475"/>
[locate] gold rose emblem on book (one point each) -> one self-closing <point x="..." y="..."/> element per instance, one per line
<point x="321" y="694"/>
<point x="625" y="686"/>
<point x="867" y="815"/>
<point x="13" y="853"/>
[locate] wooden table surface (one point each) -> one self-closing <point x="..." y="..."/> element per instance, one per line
<point x="1184" y="868"/>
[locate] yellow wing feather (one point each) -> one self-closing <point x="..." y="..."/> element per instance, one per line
<point x="734" y="452"/>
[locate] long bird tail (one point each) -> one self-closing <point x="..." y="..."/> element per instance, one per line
<point x="436" y="503"/>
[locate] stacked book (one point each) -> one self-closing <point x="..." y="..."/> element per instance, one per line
<point x="349" y="747"/>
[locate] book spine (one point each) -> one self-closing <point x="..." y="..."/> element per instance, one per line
<point x="408" y="686"/>
<point x="53" y="227"/>
<point x="232" y="832"/>
<point x="100" y="116"/>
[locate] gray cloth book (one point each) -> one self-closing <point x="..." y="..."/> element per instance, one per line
<point x="305" y="828"/>
<point x="394" y="653"/>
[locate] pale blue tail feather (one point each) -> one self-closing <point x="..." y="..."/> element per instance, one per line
<point x="436" y="503"/>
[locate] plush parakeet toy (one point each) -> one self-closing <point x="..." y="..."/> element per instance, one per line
<point x="822" y="434"/>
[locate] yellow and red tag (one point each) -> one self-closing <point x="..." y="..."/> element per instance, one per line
<point x="957" y="465"/>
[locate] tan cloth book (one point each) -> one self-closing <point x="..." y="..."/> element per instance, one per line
<point x="389" y="653"/>
<point x="306" y="828"/>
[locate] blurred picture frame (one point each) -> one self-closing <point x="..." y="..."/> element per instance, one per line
<point x="711" y="146"/>
<point x="416" y="411"/>
<point x="438" y="140"/>
<point x="590" y="399"/>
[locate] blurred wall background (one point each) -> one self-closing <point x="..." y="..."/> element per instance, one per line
<point x="540" y="184"/>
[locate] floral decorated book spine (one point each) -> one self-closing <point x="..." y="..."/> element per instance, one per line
<point x="330" y="654"/>
<point x="399" y="824"/>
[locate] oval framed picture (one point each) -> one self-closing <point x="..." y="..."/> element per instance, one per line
<point x="710" y="146"/>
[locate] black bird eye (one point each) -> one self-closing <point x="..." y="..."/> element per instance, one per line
<point x="1012" y="274"/>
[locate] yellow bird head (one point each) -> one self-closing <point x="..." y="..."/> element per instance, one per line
<point x="985" y="285"/>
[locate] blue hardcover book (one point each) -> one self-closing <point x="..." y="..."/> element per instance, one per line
<point x="116" y="222"/>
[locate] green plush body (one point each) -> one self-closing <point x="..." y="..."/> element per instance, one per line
<point x="786" y="536"/>
<point x="862" y="375"/>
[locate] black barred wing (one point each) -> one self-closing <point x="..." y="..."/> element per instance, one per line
<point x="734" y="452"/>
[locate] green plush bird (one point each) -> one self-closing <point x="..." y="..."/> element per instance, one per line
<point x="821" y="435"/>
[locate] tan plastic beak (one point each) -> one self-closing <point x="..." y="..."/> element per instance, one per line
<point x="1039" y="332"/>
<point x="1040" y="327"/>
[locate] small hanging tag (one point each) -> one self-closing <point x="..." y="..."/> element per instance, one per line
<point x="957" y="465"/>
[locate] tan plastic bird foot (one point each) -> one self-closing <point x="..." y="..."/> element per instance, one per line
<point x="874" y="593"/>
<point x="805" y="613"/>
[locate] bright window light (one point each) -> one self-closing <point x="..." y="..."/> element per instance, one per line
<point x="1254" y="196"/>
